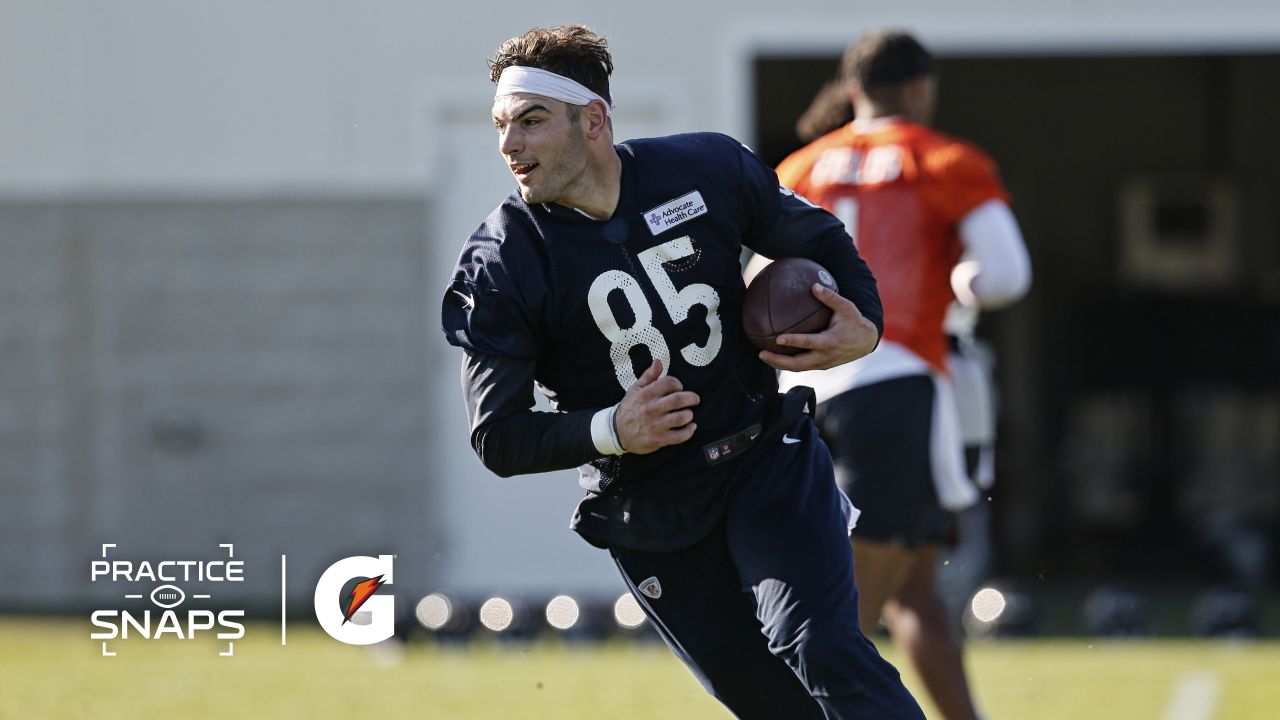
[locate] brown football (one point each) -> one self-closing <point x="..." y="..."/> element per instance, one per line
<point x="780" y="300"/>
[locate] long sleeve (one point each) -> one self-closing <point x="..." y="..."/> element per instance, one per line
<point x="788" y="225"/>
<point x="997" y="269"/>
<point x="510" y="437"/>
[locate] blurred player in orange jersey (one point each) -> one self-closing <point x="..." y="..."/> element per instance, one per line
<point x="931" y="218"/>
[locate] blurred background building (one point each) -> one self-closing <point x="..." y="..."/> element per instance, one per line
<point x="224" y="230"/>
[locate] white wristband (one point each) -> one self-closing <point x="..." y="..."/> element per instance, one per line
<point x="602" y="432"/>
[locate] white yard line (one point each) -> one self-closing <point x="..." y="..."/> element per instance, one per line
<point x="1195" y="696"/>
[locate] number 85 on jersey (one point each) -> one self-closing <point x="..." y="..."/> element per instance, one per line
<point x="677" y="303"/>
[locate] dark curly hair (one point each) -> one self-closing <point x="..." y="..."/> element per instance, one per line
<point x="885" y="58"/>
<point x="831" y="108"/>
<point x="879" y="62"/>
<point x="574" y="51"/>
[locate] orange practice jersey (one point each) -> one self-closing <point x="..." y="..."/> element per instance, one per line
<point x="901" y="190"/>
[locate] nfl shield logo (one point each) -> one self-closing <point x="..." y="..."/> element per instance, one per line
<point x="713" y="453"/>
<point x="651" y="588"/>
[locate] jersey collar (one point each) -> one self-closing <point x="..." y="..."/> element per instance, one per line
<point x="876" y="124"/>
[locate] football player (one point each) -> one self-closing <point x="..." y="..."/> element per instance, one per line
<point x="611" y="280"/>
<point x="931" y="218"/>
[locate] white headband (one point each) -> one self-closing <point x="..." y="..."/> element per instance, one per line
<point x="520" y="79"/>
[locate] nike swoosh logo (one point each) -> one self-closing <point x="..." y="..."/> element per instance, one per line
<point x="788" y="440"/>
<point x="467" y="300"/>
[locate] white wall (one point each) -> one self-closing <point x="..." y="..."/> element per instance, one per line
<point x="238" y="95"/>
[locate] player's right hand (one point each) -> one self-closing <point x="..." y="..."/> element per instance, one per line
<point x="848" y="336"/>
<point x="655" y="412"/>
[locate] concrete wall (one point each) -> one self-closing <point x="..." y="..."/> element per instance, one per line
<point x="183" y="374"/>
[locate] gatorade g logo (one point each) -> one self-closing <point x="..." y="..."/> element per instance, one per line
<point x="335" y="613"/>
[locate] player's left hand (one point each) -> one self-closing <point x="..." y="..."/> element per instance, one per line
<point x="848" y="337"/>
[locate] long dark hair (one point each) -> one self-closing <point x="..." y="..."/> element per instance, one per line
<point x="831" y="108"/>
<point x="880" y="61"/>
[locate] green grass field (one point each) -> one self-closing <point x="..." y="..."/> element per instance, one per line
<point x="51" y="669"/>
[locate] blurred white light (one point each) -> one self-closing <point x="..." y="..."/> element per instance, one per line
<point x="987" y="604"/>
<point x="496" y="614"/>
<point x="562" y="612"/>
<point x="627" y="612"/>
<point x="434" y="611"/>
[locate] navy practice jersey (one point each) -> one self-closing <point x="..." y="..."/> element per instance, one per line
<point x="586" y="304"/>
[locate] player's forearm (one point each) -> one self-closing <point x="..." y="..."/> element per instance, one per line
<point x="820" y="237"/>
<point x="788" y="225"/>
<point x="507" y="435"/>
<point x="834" y="250"/>
<point x="997" y="269"/>
<point x="534" y="442"/>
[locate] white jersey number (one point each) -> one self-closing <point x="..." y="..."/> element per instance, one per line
<point x="678" y="303"/>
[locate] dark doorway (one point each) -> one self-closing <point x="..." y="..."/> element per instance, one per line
<point x="1140" y="429"/>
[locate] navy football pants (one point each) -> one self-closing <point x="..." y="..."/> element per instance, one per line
<point x="764" y="610"/>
